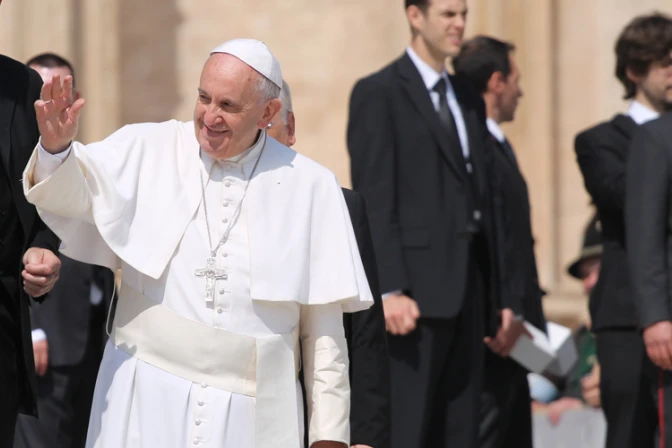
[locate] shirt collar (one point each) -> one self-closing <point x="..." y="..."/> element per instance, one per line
<point x="640" y="114"/>
<point x="429" y="76"/>
<point x="495" y="130"/>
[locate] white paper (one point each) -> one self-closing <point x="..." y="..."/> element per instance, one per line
<point x="563" y="343"/>
<point x="555" y="353"/>
<point x="535" y="353"/>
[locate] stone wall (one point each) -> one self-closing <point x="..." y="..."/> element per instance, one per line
<point x="140" y="61"/>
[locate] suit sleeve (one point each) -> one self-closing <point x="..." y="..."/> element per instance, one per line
<point x="373" y="164"/>
<point x="646" y="218"/>
<point x="603" y="172"/>
<point x="505" y="297"/>
<point x="44" y="237"/>
<point x="369" y="368"/>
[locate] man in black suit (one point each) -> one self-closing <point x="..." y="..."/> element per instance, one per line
<point x="648" y="215"/>
<point x="27" y="248"/>
<point x="642" y="66"/>
<point x="365" y="330"/>
<point x="489" y="67"/>
<point x="68" y="335"/>
<point x="416" y="139"/>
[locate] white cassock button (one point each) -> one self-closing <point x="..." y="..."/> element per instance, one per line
<point x="477" y="215"/>
<point x="201" y="403"/>
<point x="222" y="291"/>
<point x="224" y="254"/>
<point x="203" y="385"/>
<point x="227" y="184"/>
<point x="225" y="220"/>
<point x="220" y="310"/>
<point x="198" y="422"/>
<point x="225" y="204"/>
<point x="196" y="442"/>
<point x="229" y="166"/>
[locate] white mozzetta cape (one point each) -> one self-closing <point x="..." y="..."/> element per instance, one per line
<point x="132" y="195"/>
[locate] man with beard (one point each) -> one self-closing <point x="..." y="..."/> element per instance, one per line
<point x="643" y="67"/>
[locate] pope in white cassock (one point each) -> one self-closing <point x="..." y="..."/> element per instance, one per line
<point x="234" y="249"/>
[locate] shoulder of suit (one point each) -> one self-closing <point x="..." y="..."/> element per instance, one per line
<point x="385" y="77"/>
<point x="618" y="128"/>
<point x="661" y="126"/>
<point x="662" y="122"/>
<point x="10" y="65"/>
<point x="17" y="77"/>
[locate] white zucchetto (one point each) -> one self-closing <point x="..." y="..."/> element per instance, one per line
<point x="255" y="54"/>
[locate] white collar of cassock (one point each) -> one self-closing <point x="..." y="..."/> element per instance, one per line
<point x="244" y="160"/>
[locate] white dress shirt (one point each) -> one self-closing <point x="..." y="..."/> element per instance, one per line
<point x="640" y="114"/>
<point x="495" y="130"/>
<point x="430" y="78"/>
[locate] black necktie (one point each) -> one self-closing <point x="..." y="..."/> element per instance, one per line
<point x="445" y="115"/>
<point x="508" y="149"/>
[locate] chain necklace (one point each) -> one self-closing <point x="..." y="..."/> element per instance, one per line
<point x="210" y="272"/>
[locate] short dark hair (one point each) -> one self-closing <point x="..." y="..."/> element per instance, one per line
<point x="52" y="60"/>
<point x="643" y="42"/>
<point x="421" y="4"/>
<point x="479" y="58"/>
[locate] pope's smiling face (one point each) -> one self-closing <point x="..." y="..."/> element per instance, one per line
<point x="230" y="108"/>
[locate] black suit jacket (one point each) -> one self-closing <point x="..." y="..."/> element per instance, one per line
<point x="66" y="317"/>
<point x="411" y="173"/>
<point x="19" y="89"/>
<point x="648" y="220"/>
<point x="602" y="152"/>
<point x="367" y="345"/>
<point x="519" y="282"/>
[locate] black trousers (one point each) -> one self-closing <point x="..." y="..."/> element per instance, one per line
<point x="436" y="374"/>
<point x="65" y="395"/>
<point x="629" y="389"/>
<point x="506" y="412"/>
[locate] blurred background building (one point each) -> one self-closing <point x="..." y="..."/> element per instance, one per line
<point x="139" y="60"/>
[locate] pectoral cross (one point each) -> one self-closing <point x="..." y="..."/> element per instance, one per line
<point x="211" y="274"/>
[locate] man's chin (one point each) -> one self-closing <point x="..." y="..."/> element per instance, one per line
<point x="208" y="148"/>
<point x="215" y="153"/>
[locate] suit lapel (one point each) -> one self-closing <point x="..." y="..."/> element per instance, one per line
<point x="475" y="134"/>
<point x="417" y="93"/>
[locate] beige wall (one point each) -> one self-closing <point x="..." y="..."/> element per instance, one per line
<point x="140" y="61"/>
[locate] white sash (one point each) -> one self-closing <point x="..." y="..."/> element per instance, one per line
<point x="265" y="368"/>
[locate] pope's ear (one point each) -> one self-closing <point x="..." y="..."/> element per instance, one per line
<point x="270" y="110"/>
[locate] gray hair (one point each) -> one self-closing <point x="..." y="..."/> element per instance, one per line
<point x="286" y="100"/>
<point x="267" y="89"/>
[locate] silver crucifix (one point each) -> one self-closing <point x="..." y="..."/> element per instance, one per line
<point x="211" y="274"/>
